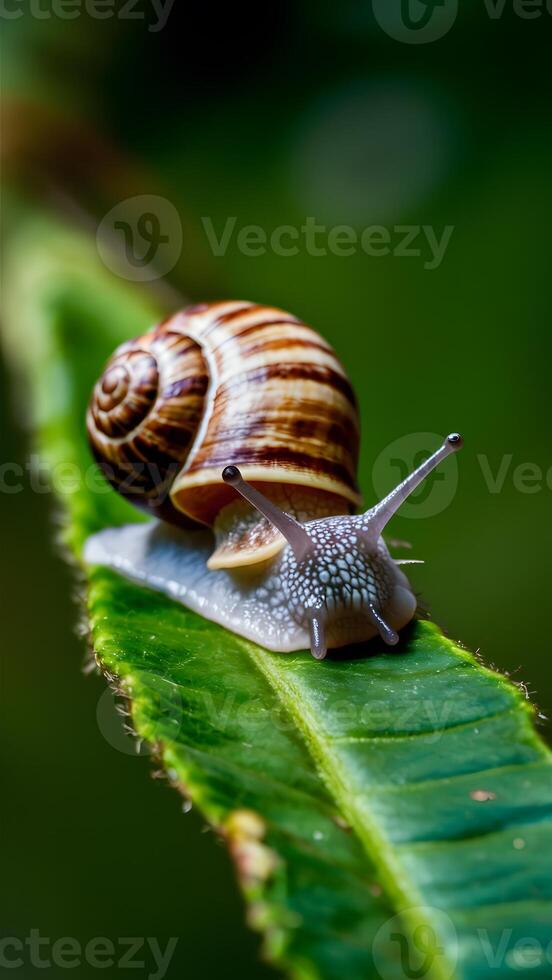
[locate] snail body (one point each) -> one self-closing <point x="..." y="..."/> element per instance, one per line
<point x="240" y="419"/>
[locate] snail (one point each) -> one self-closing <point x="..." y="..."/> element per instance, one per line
<point x="235" y="425"/>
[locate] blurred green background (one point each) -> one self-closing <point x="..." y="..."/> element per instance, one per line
<point x="272" y="115"/>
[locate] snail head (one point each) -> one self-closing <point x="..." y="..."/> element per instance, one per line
<point x="337" y="572"/>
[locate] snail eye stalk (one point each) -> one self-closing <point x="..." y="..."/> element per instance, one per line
<point x="380" y="515"/>
<point x="292" y="531"/>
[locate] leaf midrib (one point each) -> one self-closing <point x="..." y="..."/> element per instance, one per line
<point x="408" y="898"/>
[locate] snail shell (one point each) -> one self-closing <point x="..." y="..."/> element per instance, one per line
<point x="228" y="382"/>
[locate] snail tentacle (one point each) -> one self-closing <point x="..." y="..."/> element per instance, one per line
<point x="292" y="531"/>
<point x="377" y="517"/>
<point x="317" y="634"/>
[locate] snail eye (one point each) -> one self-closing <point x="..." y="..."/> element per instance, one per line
<point x="231" y="475"/>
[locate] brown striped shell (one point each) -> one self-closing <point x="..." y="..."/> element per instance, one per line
<point x="228" y="383"/>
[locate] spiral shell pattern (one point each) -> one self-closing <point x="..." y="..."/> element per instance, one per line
<point x="125" y="394"/>
<point x="221" y="383"/>
<point x="144" y="414"/>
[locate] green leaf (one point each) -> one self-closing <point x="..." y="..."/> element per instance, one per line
<point x="348" y="791"/>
